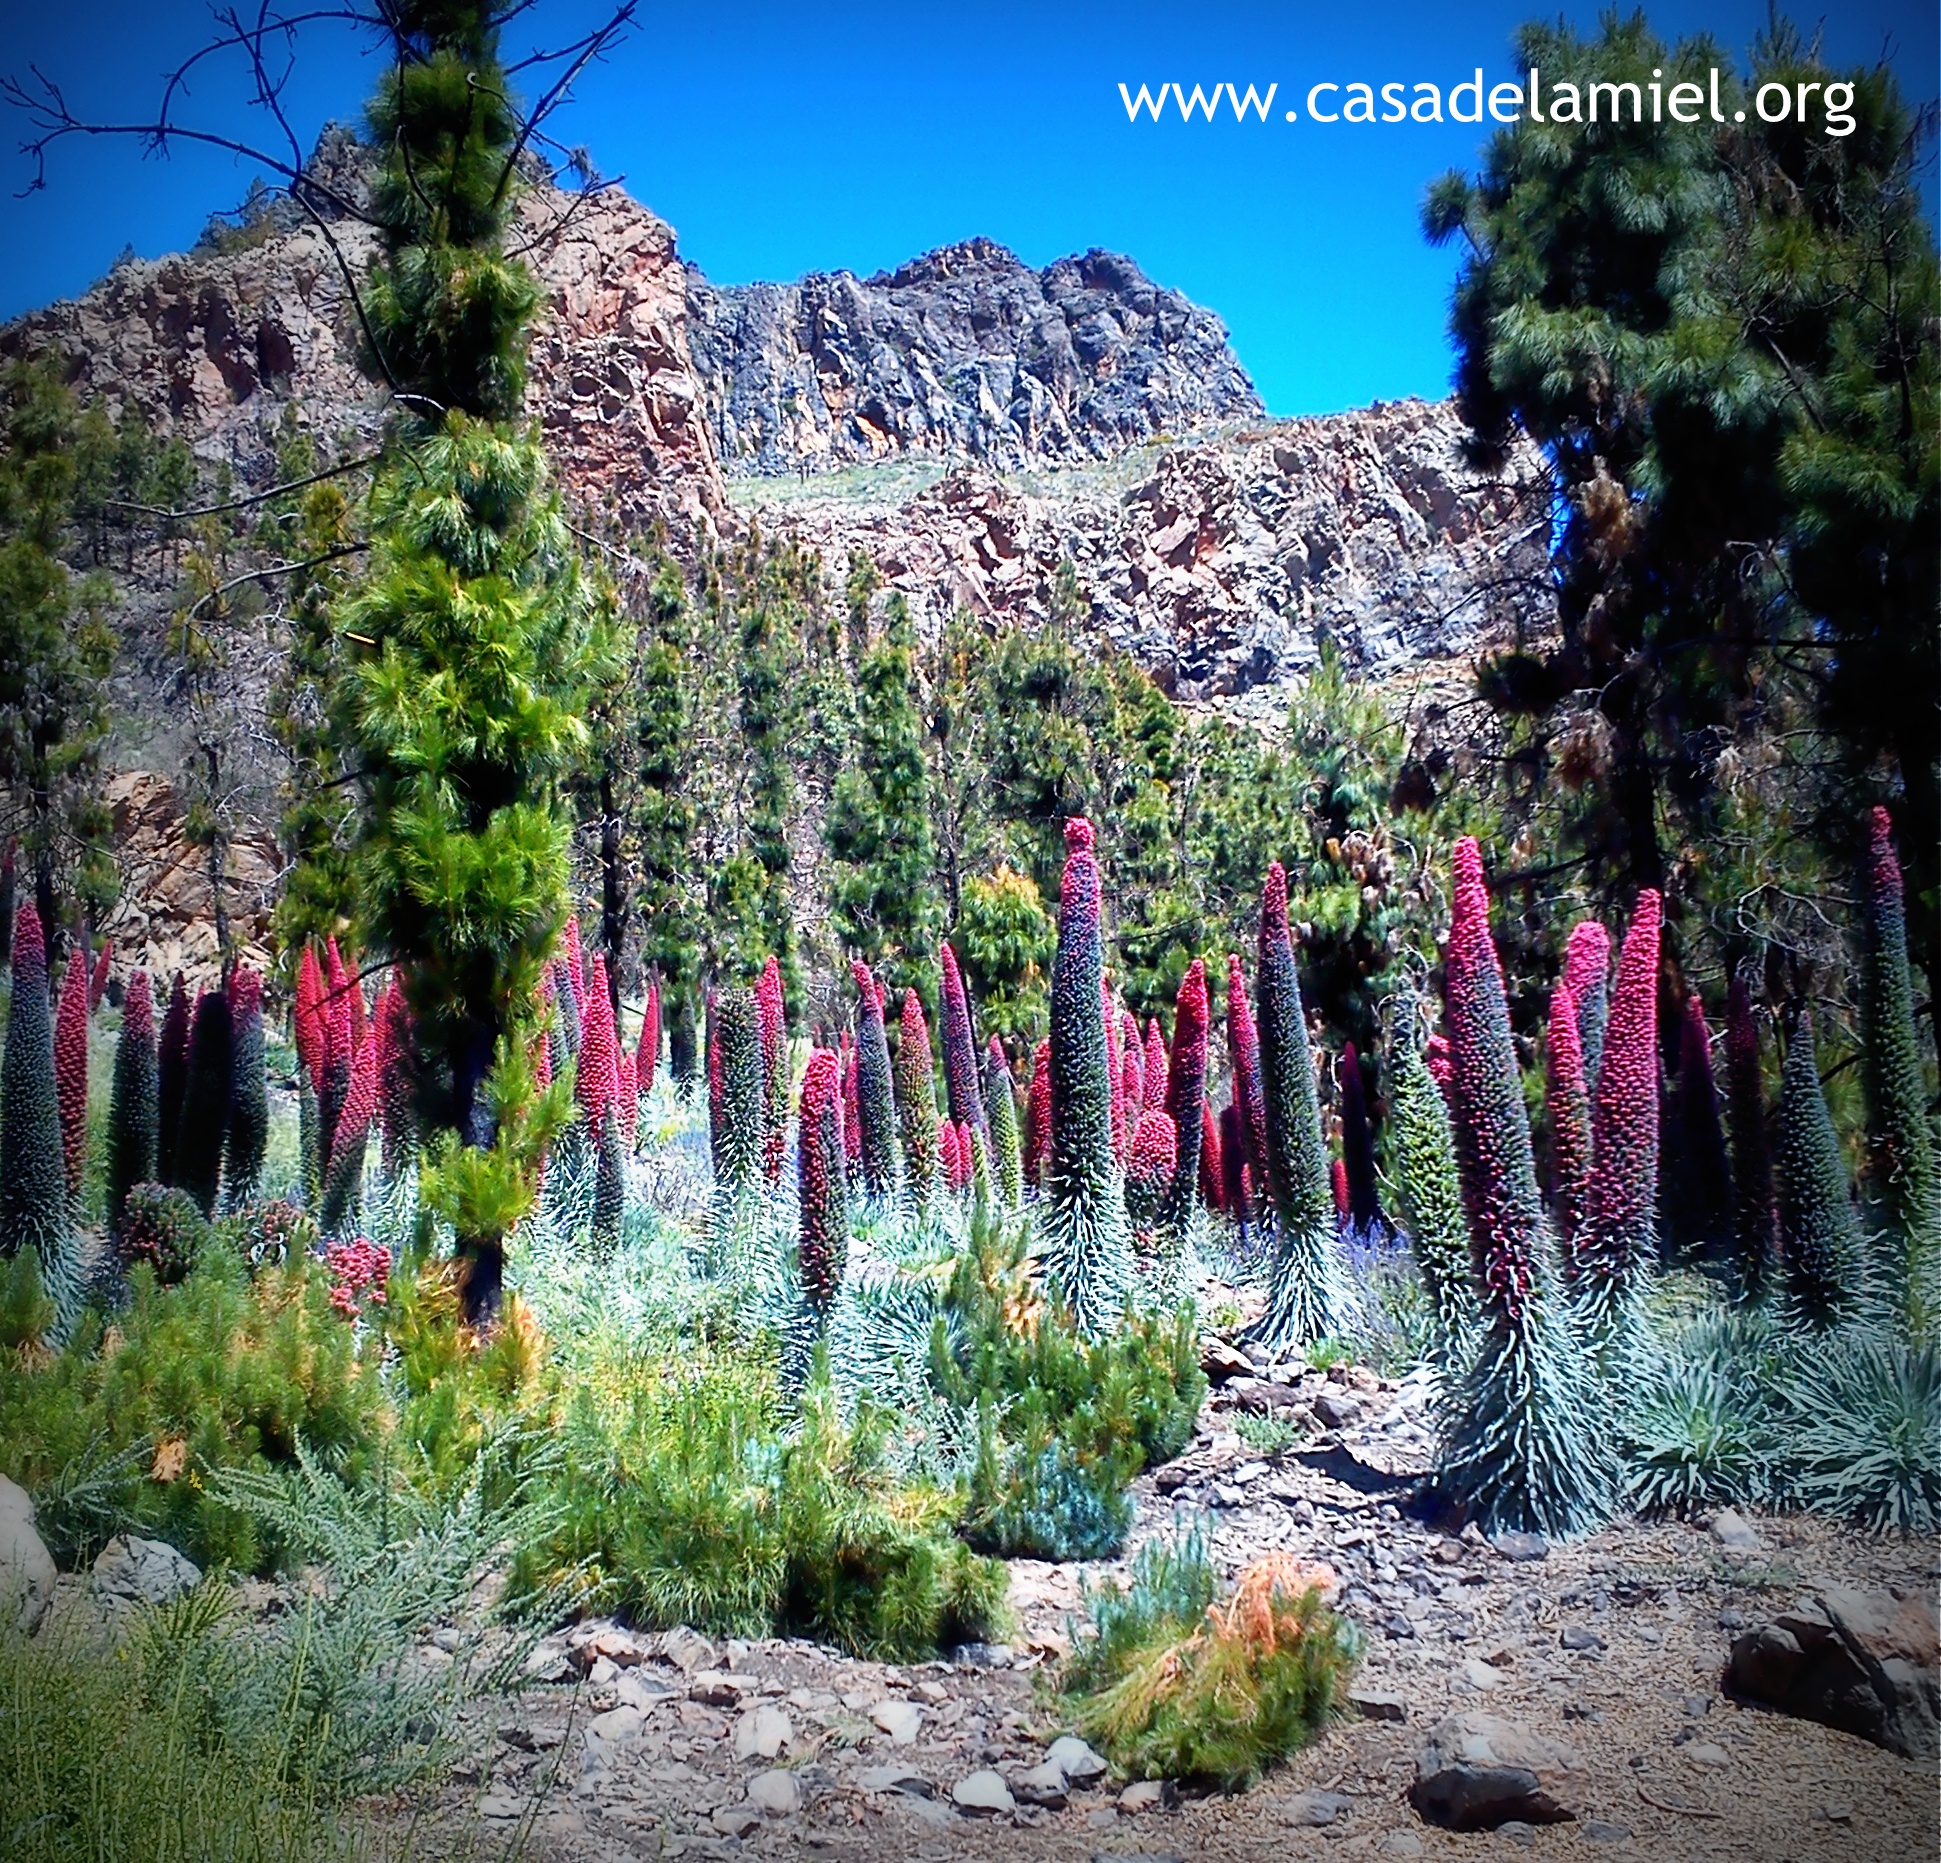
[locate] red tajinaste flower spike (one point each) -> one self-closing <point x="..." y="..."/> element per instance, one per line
<point x="627" y="1101"/>
<point x="1132" y="1064"/>
<point x="1621" y="1228"/>
<point x="1440" y="1062"/>
<point x="875" y="1092"/>
<point x="1037" y="1114"/>
<point x="1158" y="1089"/>
<point x="395" y="1081"/>
<point x="360" y="1019"/>
<point x="339" y="1022"/>
<point x="1243" y="1050"/>
<point x="648" y="1060"/>
<point x="307" y="1025"/>
<point x="715" y="1104"/>
<point x="1186" y="1091"/>
<point x="823" y="1199"/>
<point x="360" y="1108"/>
<point x="1338" y="1185"/>
<point x="1236" y="1186"/>
<point x="597" y="1084"/>
<point x="1587" y="976"/>
<point x="575" y="964"/>
<point x="772" y="1020"/>
<point x="1568" y="1102"/>
<point x="952" y="1162"/>
<point x="1123" y="1119"/>
<point x="852" y="1104"/>
<point x="98" y="982"/>
<point x="1213" y="1183"/>
<point x="71" y="1070"/>
<point x="917" y="1093"/>
<point x="961" y="1090"/>
<point x="1155" y="1151"/>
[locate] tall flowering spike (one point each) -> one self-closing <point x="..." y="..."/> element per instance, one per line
<point x="742" y="1094"/>
<point x="360" y="1015"/>
<point x="609" y="1171"/>
<point x="1441" y="1064"/>
<point x="171" y="1079"/>
<point x="344" y="1174"/>
<point x="1037" y="1116"/>
<point x="1587" y="976"/>
<point x="1306" y="1295"/>
<point x="875" y="1091"/>
<point x="307" y="1017"/>
<point x="1338" y="1185"/>
<point x="597" y="1084"/>
<point x="773" y="1018"/>
<point x="567" y="1019"/>
<point x="956" y="1166"/>
<point x="1132" y="1064"/>
<point x="338" y="1048"/>
<point x="1619" y="1245"/>
<point x="575" y="959"/>
<point x="852" y="1106"/>
<point x="1122" y="1122"/>
<point x="1236" y="1189"/>
<point x="1152" y="1169"/>
<point x="627" y="1099"/>
<point x="131" y="1107"/>
<point x="1213" y="1183"/>
<point x="1001" y="1114"/>
<point x="249" y="1100"/>
<point x="1900" y="1143"/>
<point x="33" y="1179"/>
<point x="205" y="1100"/>
<point x="1243" y="1050"/>
<point x="396" y="1099"/>
<point x="1185" y="1095"/>
<point x="960" y="1045"/>
<point x="916" y="1093"/>
<point x="98" y="980"/>
<point x="1154" y="1068"/>
<point x="1430" y="1192"/>
<point x="71" y="1069"/>
<point x="1704" y="1185"/>
<point x="1755" y="1215"/>
<point x="647" y="1062"/>
<point x="823" y="1243"/>
<point x="1086" y="1255"/>
<point x="1520" y="1446"/>
<point x="1568" y="1103"/>
<point x="1819" y="1234"/>
<point x="1358" y="1144"/>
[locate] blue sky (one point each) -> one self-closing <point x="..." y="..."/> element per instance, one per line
<point x="785" y="139"/>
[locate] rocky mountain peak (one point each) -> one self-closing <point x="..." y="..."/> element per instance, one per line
<point x="974" y="258"/>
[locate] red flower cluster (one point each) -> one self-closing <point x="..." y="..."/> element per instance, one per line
<point x="359" y="1271"/>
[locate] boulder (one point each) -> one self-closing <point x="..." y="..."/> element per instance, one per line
<point x="983" y="1794"/>
<point x="26" y="1569"/>
<point x="1080" y="1765"/>
<point x="762" y="1733"/>
<point x="777" y="1792"/>
<point x="1477" y="1771"/>
<point x="1862" y="1661"/>
<point x="133" y="1571"/>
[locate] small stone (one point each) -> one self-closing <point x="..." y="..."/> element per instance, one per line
<point x="777" y="1792"/>
<point x="1399" y="1844"/>
<point x="133" y="1571"/>
<point x="716" y="1688"/>
<point x="1732" y="1620"/>
<point x="933" y="1692"/>
<point x="688" y="1650"/>
<point x="982" y="1655"/>
<point x="1520" y="1548"/>
<point x="609" y="1735"/>
<point x="1735" y="1532"/>
<point x="1137" y="1856"/>
<point x="1578" y="1637"/>
<point x="1222" y="1362"/>
<point x="1517" y="1832"/>
<point x="1480" y="1675"/>
<point x="1043" y="1785"/>
<point x="1337" y="1409"/>
<point x="983" y="1794"/>
<point x="1476" y="1772"/>
<point x="1697" y="1707"/>
<point x="1080" y="1765"/>
<point x="1400" y="1627"/>
<point x="736" y="1820"/>
<point x="1707" y="1753"/>
<point x="899" y="1720"/>
<point x="1147" y="1795"/>
<point x="1377" y="1704"/>
<point x="1837" y="1814"/>
<point x="895" y="1778"/>
<point x="497" y="1805"/>
<point x="1314" y="1810"/>
<point x="1603" y="1831"/>
<point x="762" y="1733"/>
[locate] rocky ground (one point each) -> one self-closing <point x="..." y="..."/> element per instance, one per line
<point x="1600" y="1666"/>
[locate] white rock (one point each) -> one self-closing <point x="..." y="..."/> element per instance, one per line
<point x="1080" y="1765"/>
<point x="777" y="1792"/>
<point x="1043" y="1785"/>
<point x="133" y="1571"/>
<point x="1735" y="1532"/>
<point x="762" y="1733"/>
<point x="899" y="1720"/>
<point x="736" y="1820"/>
<point x="1143" y="1795"/>
<point x="895" y="1778"/>
<point x="983" y="1794"/>
<point x="1481" y="1675"/>
<point x="1707" y="1753"/>
<point x="26" y="1569"/>
<point x="610" y="1735"/>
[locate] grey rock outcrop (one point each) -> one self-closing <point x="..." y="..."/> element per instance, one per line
<point x="131" y="1572"/>
<point x="27" y="1572"/>
<point x="1477" y="1771"/>
<point x="963" y="353"/>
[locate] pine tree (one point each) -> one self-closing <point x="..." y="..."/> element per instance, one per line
<point x="1306" y="1293"/>
<point x="1185" y="1096"/>
<point x="822" y="1202"/>
<point x="207" y="1085"/>
<point x="1610" y="1267"/>
<point x="131" y="1107"/>
<point x="33" y="1181"/>
<point x="1520" y="1444"/>
<point x="1819" y="1234"/>
<point x="249" y="1107"/>
<point x="1900" y="1142"/>
<point x="1082" y="1227"/>
<point x="1755" y="1216"/>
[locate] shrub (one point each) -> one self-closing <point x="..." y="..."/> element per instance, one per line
<point x="1859" y="1423"/>
<point x="1307" y="1293"/>
<point x="1696" y="1435"/>
<point x="162" y="1226"/>
<point x="1251" y="1682"/>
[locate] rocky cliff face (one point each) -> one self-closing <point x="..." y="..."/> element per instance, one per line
<point x="964" y="353"/>
<point x="1220" y="565"/>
